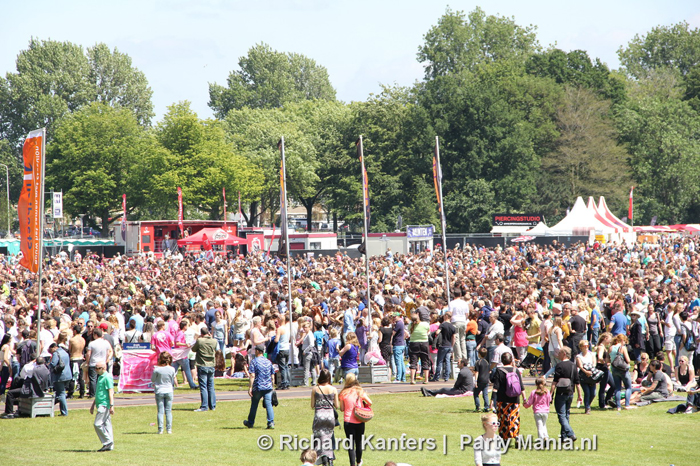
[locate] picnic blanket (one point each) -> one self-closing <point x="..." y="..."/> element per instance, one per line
<point x="455" y="396"/>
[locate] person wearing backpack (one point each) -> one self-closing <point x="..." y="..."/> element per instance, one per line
<point x="565" y="379"/>
<point x="508" y="385"/>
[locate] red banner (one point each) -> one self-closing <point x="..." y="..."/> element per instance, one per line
<point x="179" y="211"/>
<point x="630" y="214"/>
<point x="29" y="209"/>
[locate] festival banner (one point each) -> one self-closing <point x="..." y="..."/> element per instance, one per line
<point x="630" y="215"/>
<point x="137" y="367"/>
<point x="124" y="217"/>
<point x="30" y="207"/>
<point x="57" y="205"/>
<point x="179" y="212"/>
<point x="365" y="197"/>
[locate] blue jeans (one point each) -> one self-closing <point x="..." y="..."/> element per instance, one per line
<point x="347" y="371"/>
<point x="205" y="376"/>
<point x="606" y="380"/>
<point x="221" y="345"/>
<point x="444" y="363"/>
<point x="485" y="393"/>
<point x="185" y="364"/>
<point x="400" y="363"/>
<point x="594" y="336"/>
<point x="588" y="394"/>
<point x="60" y="389"/>
<point x="619" y="378"/>
<point x="164" y="401"/>
<point x="491" y="350"/>
<point x="562" y="403"/>
<point x="283" y="364"/>
<point x="255" y="400"/>
<point x="471" y="352"/>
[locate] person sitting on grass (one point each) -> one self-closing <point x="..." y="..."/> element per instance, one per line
<point x="658" y="389"/>
<point x="463" y="384"/>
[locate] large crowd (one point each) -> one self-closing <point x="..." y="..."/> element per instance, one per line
<point x="583" y="303"/>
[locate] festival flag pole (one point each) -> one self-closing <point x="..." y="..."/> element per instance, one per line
<point x="223" y="190"/>
<point x="180" y="220"/>
<point x="365" y="217"/>
<point x="630" y="214"/>
<point x="285" y="234"/>
<point x="437" y="178"/>
<point x="31" y="212"/>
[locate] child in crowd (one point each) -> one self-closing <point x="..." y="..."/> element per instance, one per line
<point x="308" y="457"/>
<point x="540" y="399"/>
<point x="333" y="355"/>
<point x="482" y="369"/>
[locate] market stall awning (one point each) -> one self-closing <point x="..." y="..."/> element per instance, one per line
<point x="213" y="236"/>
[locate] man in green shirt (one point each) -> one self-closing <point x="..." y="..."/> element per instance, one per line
<point x="104" y="400"/>
<point x="205" y="347"/>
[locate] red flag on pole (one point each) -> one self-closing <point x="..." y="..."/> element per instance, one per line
<point x="30" y="207"/>
<point x="180" y="222"/>
<point x="631" y="209"/>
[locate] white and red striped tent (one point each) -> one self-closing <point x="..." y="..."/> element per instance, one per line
<point x="610" y="217"/>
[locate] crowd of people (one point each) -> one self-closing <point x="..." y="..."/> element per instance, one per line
<point x="608" y="318"/>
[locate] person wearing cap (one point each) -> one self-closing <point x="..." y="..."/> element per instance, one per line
<point x="261" y="379"/>
<point x="99" y="350"/>
<point x="205" y="347"/>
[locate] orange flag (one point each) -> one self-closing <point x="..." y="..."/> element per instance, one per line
<point x="30" y="208"/>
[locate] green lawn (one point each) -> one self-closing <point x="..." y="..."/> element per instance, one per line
<point x="645" y="436"/>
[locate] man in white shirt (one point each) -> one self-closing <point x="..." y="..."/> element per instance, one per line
<point x="499" y="351"/>
<point x="45" y="339"/>
<point x="99" y="350"/>
<point x="460" y="311"/>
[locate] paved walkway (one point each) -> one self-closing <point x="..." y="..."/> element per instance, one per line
<point x="296" y="392"/>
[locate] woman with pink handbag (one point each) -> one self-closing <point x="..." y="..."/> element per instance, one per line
<point x="356" y="407"/>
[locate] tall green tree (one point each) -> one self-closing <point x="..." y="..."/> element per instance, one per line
<point x="576" y="68"/>
<point x="95" y="158"/>
<point x="201" y="162"/>
<point x="676" y="47"/>
<point x="55" y="78"/>
<point x="462" y="42"/>
<point x="662" y="133"/>
<point x="586" y="159"/>
<point x="270" y="79"/>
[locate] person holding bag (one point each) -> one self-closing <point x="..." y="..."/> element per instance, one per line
<point x="350" y="397"/>
<point x="324" y="401"/>
<point x="620" y="368"/>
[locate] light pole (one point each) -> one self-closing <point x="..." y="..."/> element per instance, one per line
<point x="7" y="183"/>
<point x="81" y="225"/>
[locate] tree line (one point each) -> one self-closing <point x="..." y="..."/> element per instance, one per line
<point x="523" y="129"/>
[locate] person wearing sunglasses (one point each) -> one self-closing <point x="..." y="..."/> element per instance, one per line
<point x="487" y="447"/>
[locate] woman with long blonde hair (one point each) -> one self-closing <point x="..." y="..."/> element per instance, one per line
<point x="348" y="398"/>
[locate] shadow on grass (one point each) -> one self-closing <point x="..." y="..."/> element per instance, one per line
<point x="80" y="451"/>
<point x="235" y="428"/>
<point x="139" y="433"/>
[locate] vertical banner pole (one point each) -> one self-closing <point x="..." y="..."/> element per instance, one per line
<point x="365" y="218"/>
<point x="285" y="232"/>
<point x="443" y="222"/>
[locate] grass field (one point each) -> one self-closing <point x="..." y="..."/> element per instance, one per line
<point x="645" y="436"/>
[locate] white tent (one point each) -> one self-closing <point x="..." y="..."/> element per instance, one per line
<point x="539" y="230"/>
<point x="601" y="218"/>
<point x="579" y="222"/>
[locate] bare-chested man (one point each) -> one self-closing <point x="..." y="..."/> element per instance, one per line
<point x="76" y="347"/>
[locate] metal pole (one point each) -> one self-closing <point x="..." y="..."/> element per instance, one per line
<point x="364" y="218"/>
<point x="289" y="266"/>
<point x="443" y="223"/>
<point x="41" y="235"/>
<point x="7" y="182"/>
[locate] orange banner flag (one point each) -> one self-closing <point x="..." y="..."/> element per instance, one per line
<point x="30" y="208"/>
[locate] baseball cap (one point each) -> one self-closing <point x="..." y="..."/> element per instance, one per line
<point x="260" y="348"/>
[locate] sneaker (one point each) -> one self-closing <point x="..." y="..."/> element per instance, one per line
<point x="422" y="390"/>
<point x="200" y="410"/>
<point x="271" y="426"/>
<point x="160" y="431"/>
<point x="8" y="416"/>
<point x="249" y="426"/>
<point x="170" y="431"/>
<point x="486" y="410"/>
<point x="108" y="447"/>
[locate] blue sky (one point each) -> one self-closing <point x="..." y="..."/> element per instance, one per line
<point x="182" y="45"/>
